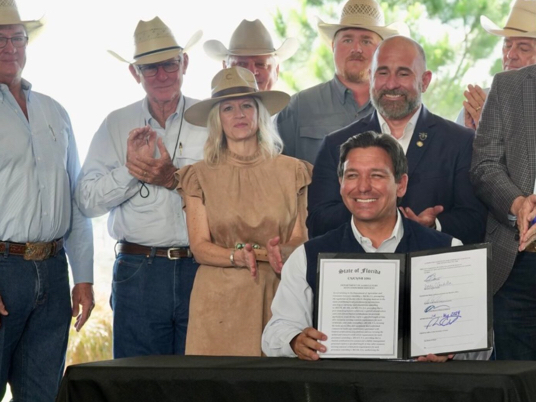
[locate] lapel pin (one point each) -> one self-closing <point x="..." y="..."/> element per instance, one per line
<point x="420" y="144"/>
<point x="423" y="136"/>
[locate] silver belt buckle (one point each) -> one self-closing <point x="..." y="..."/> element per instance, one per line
<point x="169" y="250"/>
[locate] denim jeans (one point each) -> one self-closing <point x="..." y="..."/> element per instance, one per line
<point x="514" y="310"/>
<point x="150" y="302"/>
<point x="33" y="337"/>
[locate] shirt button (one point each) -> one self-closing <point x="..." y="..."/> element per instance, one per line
<point x="39" y="158"/>
<point x="45" y="213"/>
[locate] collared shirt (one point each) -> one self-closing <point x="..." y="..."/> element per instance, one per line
<point x="405" y="140"/>
<point x="314" y="113"/>
<point x="408" y="130"/>
<point x="105" y="184"/>
<point x="38" y="170"/>
<point x="292" y="307"/>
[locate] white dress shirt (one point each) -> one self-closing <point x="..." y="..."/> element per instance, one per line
<point x="38" y="170"/>
<point x="105" y="184"/>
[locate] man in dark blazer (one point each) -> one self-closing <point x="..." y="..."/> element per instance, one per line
<point x="439" y="193"/>
<point x="504" y="175"/>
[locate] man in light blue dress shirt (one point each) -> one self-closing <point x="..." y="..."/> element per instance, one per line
<point x="129" y="172"/>
<point x="39" y="224"/>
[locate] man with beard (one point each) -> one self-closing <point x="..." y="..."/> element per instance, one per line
<point x="439" y="193"/>
<point x="315" y="112"/>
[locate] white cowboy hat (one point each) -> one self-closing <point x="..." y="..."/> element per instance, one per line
<point x="250" y="38"/>
<point x="364" y="14"/>
<point x="520" y="22"/>
<point x="9" y="15"/>
<point x="154" y="42"/>
<point x="235" y="82"/>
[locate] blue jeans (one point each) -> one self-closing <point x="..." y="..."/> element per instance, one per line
<point x="150" y="302"/>
<point x="514" y="310"/>
<point x="33" y="337"/>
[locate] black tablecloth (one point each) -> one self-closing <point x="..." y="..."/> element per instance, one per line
<point x="196" y="378"/>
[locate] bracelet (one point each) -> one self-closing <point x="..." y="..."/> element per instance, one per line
<point x="231" y="257"/>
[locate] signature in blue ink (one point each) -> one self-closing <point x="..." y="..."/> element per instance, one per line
<point x="432" y="277"/>
<point x="444" y="320"/>
<point x="433" y="308"/>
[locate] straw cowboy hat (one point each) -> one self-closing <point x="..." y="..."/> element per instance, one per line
<point x="235" y="82"/>
<point x="251" y="38"/>
<point x="9" y="15"/>
<point x="154" y="42"/>
<point x="520" y="22"/>
<point x="364" y="14"/>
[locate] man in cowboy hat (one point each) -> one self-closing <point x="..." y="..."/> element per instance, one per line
<point x="518" y="51"/>
<point x="503" y="173"/>
<point x="439" y="193"/>
<point x="39" y="223"/>
<point x="315" y="112"/>
<point x="251" y="47"/>
<point x="129" y="172"/>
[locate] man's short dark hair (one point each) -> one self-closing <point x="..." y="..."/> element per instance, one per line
<point x="372" y="139"/>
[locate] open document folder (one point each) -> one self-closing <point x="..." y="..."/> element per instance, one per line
<point x="399" y="306"/>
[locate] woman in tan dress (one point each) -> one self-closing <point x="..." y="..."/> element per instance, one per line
<point x="245" y="207"/>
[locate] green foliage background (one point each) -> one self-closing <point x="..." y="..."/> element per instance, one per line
<point x="449" y="31"/>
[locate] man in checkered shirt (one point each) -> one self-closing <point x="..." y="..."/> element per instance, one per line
<point x="503" y="173"/>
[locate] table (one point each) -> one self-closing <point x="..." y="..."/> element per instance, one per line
<point x="202" y="378"/>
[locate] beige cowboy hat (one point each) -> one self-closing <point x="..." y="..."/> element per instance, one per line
<point x="520" y="22"/>
<point x="154" y="42"/>
<point x="235" y="82"/>
<point x="251" y="38"/>
<point x="364" y="14"/>
<point x="9" y="15"/>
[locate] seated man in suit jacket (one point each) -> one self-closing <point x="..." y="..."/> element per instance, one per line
<point x="439" y="193"/>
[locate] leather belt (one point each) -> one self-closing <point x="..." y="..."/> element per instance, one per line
<point x="172" y="253"/>
<point x="32" y="251"/>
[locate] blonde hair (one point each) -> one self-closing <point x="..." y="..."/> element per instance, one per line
<point x="270" y="144"/>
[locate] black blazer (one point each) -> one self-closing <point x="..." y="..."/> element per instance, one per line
<point x="438" y="175"/>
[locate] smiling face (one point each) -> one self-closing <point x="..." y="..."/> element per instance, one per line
<point x="12" y="59"/>
<point x="518" y="53"/>
<point x="163" y="87"/>
<point x="398" y="79"/>
<point x="352" y="52"/>
<point x="239" y="120"/>
<point x="368" y="186"/>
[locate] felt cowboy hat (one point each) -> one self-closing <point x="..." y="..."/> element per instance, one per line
<point x="235" y="82"/>
<point x="9" y="15"/>
<point x="154" y="42"/>
<point x="520" y="22"/>
<point x="364" y="14"/>
<point x="251" y="38"/>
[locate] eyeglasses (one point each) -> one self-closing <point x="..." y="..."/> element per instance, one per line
<point x="150" y="70"/>
<point x="16" y="41"/>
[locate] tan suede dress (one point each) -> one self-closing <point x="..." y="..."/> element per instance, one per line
<point x="247" y="200"/>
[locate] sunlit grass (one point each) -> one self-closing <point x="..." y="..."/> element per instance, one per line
<point x="94" y="341"/>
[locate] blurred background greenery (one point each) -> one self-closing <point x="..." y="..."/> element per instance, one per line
<point x="458" y="50"/>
